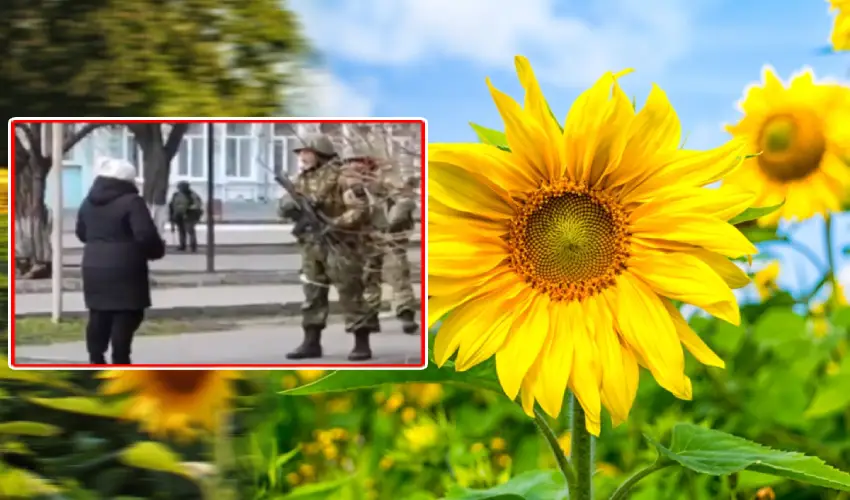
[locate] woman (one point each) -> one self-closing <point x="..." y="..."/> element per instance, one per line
<point x="119" y="238"/>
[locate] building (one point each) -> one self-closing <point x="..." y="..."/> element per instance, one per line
<point x="246" y="155"/>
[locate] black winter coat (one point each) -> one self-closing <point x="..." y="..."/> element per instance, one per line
<point x="119" y="238"/>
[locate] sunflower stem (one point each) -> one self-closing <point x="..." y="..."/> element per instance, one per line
<point x="560" y="457"/>
<point x="581" y="452"/>
<point x="830" y="261"/>
<point x="223" y="456"/>
<point x="623" y="491"/>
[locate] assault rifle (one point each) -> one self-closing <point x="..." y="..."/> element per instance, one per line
<point x="310" y="220"/>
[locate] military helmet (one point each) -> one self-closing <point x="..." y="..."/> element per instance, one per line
<point x="183" y="185"/>
<point x="319" y="143"/>
<point x="353" y="152"/>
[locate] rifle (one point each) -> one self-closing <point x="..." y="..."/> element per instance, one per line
<point x="311" y="221"/>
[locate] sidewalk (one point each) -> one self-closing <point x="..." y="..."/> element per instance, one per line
<point x="252" y="345"/>
<point x="219" y="301"/>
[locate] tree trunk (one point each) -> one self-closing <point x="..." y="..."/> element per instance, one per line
<point x="33" y="221"/>
<point x="157" y="154"/>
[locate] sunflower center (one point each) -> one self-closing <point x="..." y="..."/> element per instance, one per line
<point x="182" y="382"/>
<point x="792" y="145"/>
<point x="569" y="242"/>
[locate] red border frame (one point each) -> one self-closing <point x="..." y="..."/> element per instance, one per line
<point x="423" y="245"/>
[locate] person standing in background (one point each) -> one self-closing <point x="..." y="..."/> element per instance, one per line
<point x="185" y="211"/>
<point x="119" y="238"/>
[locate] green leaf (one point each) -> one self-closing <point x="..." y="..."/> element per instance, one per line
<point x="318" y="491"/>
<point x="150" y="455"/>
<point x="832" y="396"/>
<point x="35" y="429"/>
<point x="81" y="405"/>
<point x="491" y="137"/>
<point x="777" y="326"/>
<point x="532" y="485"/>
<point x="339" y="381"/>
<point x="20" y="483"/>
<point x="754" y="213"/>
<point x="759" y="234"/>
<point x="716" y="453"/>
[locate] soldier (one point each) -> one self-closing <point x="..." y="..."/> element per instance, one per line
<point x="185" y="211"/>
<point x="341" y="201"/>
<point x="392" y="206"/>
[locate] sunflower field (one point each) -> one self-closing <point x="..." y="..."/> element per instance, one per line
<point x="606" y="321"/>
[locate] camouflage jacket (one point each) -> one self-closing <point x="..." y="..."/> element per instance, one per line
<point x="335" y="194"/>
<point x="186" y="205"/>
<point x="389" y="199"/>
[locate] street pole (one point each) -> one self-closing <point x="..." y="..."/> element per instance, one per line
<point x="57" y="137"/>
<point x="210" y="197"/>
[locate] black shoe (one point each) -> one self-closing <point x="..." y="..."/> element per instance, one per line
<point x="181" y="249"/>
<point x="97" y="359"/>
<point x="362" y="351"/>
<point x="121" y="361"/>
<point x="311" y="347"/>
<point x="408" y="322"/>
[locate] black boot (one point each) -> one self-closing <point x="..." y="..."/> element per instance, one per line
<point x="362" y="351"/>
<point x="311" y="347"/>
<point x="374" y="323"/>
<point x="97" y="359"/>
<point x="121" y="360"/>
<point x="408" y="322"/>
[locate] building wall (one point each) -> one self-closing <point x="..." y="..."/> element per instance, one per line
<point x="245" y="156"/>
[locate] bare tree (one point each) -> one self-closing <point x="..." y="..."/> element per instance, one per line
<point x="33" y="161"/>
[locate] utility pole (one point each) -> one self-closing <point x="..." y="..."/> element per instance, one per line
<point x="210" y="197"/>
<point x="57" y="136"/>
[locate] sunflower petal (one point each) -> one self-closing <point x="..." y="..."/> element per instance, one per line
<point x="485" y="160"/>
<point x="526" y="137"/>
<point x="464" y="191"/>
<point x="523" y="345"/>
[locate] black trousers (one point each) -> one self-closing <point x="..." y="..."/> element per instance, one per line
<point x="115" y="327"/>
<point x="186" y="228"/>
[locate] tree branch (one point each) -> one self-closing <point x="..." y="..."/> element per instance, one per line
<point x="30" y="136"/>
<point x="175" y="138"/>
<point x="83" y="131"/>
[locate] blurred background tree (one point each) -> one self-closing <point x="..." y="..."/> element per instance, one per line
<point x="138" y="58"/>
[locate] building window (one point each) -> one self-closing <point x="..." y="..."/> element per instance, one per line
<point x="238" y="156"/>
<point x="75" y="154"/>
<point x="191" y="157"/>
<point x="284" y="159"/>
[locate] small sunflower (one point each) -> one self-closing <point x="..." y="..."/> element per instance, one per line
<point x="765" y="280"/>
<point x="562" y="257"/>
<point x="801" y="132"/>
<point x="839" y="38"/>
<point x="181" y="402"/>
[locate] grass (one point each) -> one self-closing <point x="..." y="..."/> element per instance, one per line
<point x="42" y="331"/>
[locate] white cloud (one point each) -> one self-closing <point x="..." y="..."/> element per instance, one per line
<point x="566" y="49"/>
<point x="323" y="93"/>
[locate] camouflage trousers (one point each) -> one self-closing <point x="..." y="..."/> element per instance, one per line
<point x="321" y="269"/>
<point x="393" y="253"/>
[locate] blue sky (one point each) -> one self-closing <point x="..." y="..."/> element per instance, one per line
<point x="415" y="58"/>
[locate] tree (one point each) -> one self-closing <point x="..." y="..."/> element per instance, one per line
<point x="33" y="161"/>
<point x="143" y="58"/>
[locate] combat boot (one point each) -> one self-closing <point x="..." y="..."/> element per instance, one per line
<point x="408" y="322"/>
<point x="362" y="351"/>
<point x="311" y="347"/>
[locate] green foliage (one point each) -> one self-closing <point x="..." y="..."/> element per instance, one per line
<point x="716" y="453"/>
<point x="754" y="213"/>
<point x="534" y="485"/>
<point x="491" y="137"/>
<point x="147" y="58"/>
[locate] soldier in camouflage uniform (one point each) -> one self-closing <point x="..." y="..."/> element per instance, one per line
<point x="343" y="202"/>
<point x="392" y="206"/>
<point x="185" y="211"/>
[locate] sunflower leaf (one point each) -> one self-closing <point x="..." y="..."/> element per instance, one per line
<point x="754" y="213"/>
<point x="150" y="455"/>
<point x="80" y="405"/>
<point x="491" y="136"/>
<point x="33" y="429"/>
<point x="532" y="485"/>
<point x="339" y="381"/>
<point x="717" y="453"/>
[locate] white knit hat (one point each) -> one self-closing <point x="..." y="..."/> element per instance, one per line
<point x="116" y="168"/>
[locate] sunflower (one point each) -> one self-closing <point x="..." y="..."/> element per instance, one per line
<point x="181" y="402"/>
<point x="765" y="280"/>
<point x="801" y="132"/>
<point x="562" y="256"/>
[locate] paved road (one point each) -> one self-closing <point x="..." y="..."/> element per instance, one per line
<point x="249" y="345"/>
<point x="186" y="299"/>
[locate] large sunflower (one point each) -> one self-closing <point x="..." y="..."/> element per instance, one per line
<point x="177" y="402"/>
<point x="562" y="256"/>
<point x="800" y="131"/>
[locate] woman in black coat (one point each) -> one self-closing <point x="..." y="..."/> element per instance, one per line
<point x="119" y="238"/>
